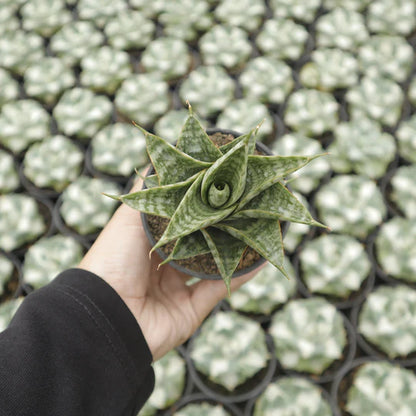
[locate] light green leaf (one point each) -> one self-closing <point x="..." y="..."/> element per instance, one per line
<point x="190" y="245"/>
<point x="171" y="165"/>
<point x="262" y="234"/>
<point x="264" y="171"/>
<point x="226" y="250"/>
<point x="151" y="181"/>
<point x="195" y="142"/>
<point x="160" y="200"/>
<point x="191" y="215"/>
<point x="279" y="203"/>
<point x="227" y="174"/>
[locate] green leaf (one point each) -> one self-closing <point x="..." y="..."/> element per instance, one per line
<point x="171" y="165"/>
<point x="227" y="173"/>
<point x="151" y="181"/>
<point x="190" y="245"/>
<point x="195" y="142"/>
<point x="160" y="200"/>
<point x="191" y="215"/>
<point x="226" y="250"/>
<point x="264" y="171"/>
<point x="279" y="203"/>
<point x="262" y="234"/>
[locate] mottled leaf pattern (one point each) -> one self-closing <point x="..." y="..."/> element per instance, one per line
<point x="192" y="215"/>
<point x="160" y="200"/>
<point x="171" y="165"/>
<point x="219" y="200"/>
<point x="279" y="203"/>
<point x="229" y="171"/>
<point x="195" y="142"/>
<point x="151" y="181"/>
<point x="263" y="234"/>
<point x="264" y="171"/>
<point x="188" y="246"/>
<point x="226" y="250"/>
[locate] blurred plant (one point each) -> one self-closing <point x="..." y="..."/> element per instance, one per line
<point x="388" y="320"/>
<point x="229" y="349"/>
<point x="382" y="388"/>
<point x="292" y="396"/>
<point x="309" y="335"/>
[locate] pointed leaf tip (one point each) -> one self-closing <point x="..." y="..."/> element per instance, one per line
<point x="116" y="197"/>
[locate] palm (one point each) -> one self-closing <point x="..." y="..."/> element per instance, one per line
<point x="167" y="310"/>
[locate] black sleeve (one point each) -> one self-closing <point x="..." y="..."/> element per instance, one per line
<point x="74" y="348"/>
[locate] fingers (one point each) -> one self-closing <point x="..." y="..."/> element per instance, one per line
<point x="206" y="294"/>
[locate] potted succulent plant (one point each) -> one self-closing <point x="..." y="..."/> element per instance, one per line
<point x="217" y="196"/>
<point x="287" y="396"/>
<point x="230" y="358"/>
<point x="375" y="387"/>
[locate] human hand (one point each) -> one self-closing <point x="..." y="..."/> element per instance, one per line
<point x="167" y="310"/>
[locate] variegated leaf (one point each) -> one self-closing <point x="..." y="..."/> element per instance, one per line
<point x="226" y="177"/>
<point x="171" y="165"/>
<point x="252" y="144"/>
<point x="191" y="215"/>
<point x="279" y="203"/>
<point x="264" y="171"/>
<point x="151" y="181"/>
<point x="226" y="250"/>
<point x="262" y="234"/>
<point x="188" y="246"/>
<point x="160" y="200"/>
<point x="195" y="142"/>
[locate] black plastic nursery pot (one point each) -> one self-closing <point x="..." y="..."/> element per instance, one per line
<point x="249" y="389"/>
<point x="198" y="398"/>
<point x="32" y="189"/>
<point x="13" y="287"/>
<point x="337" y="366"/>
<point x="46" y="210"/>
<point x="249" y="408"/>
<point x="353" y="299"/>
<point x="371" y="349"/>
<point x="95" y="173"/>
<point x="183" y="265"/>
<point x="343" y="381"/>
<point x="379" y="272"/>
<point x="85" y="239"/>
<point x="386" y="189"/>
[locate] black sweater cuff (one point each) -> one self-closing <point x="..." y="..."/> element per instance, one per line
<point x="74" y="348"/>
<point x="97" y="294"/>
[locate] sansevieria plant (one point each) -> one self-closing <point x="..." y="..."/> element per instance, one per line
<point x="219" y="199"/>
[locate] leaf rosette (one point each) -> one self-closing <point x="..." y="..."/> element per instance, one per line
<point x="219" y="199"/>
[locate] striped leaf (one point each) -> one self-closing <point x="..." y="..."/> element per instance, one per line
<point x="279" y="203"/>
<point x="195" y="142"/>
<point x="226" y="175"/>
<point x="264" y="171"/>
<point x="262" y="234"/>
<point x="160" y="200"/>
<point x="190" y="245"/>
<point x="151" y="181"/>
<point x="226" y="250"/>
<point x="191" y="215"/>
<point x="171" y="165"/>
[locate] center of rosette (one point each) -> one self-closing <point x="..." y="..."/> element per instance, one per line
<point x="218" y="194"/>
